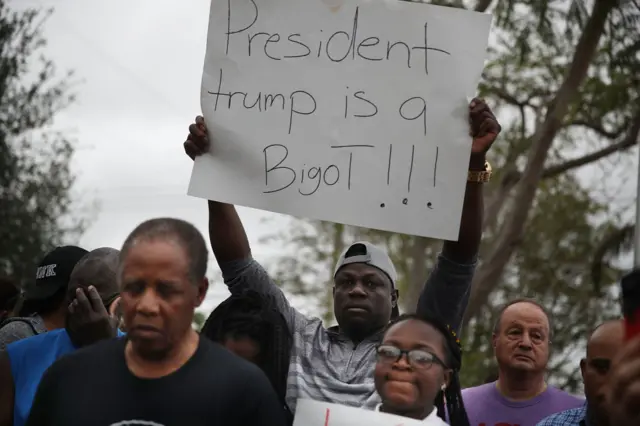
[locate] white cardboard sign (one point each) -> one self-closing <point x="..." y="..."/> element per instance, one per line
<point x="315" y="413"/>
<point x="352" y="111"/>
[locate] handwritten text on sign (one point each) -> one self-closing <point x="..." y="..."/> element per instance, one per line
<point x="315" y="413"/>
<point x="352" y="111"/>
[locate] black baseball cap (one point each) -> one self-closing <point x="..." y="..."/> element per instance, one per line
<point x="53" y="272"/>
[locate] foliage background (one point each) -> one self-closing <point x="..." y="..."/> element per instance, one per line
<point x="564" y="78"/>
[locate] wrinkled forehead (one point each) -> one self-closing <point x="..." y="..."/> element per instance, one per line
<point x="606" y="340"/>
<point x="164" y="249"/>
<point x="525" y="314"/>
<point x="361" y="270"/>
<point x="413" y="331"/>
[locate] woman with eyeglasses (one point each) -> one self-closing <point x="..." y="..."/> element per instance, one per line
<point x="417" y="369"/>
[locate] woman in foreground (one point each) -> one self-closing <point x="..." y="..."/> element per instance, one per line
<point x="417" y="369"/>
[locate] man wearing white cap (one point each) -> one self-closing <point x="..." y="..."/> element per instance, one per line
<point x="336" y="364"/>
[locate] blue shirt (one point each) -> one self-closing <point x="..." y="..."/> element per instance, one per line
<point x="29" y="359"/>
<point x="573" y="417"/>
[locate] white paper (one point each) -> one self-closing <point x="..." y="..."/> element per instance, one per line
<point x="314" y="413"/>
<point x="407" y="175"/>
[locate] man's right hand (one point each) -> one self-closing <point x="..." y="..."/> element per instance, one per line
<point x="88" y="321"/>
<point x="197" y="142"/>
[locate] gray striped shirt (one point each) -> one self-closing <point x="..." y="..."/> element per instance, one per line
<point x="327" y="366"/>
<point x="14" y="329"/>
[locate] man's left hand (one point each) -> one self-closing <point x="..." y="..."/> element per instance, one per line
<point x="88" y="320"/>
<point x="623" y="386"/>
<point x="484" y="128"/>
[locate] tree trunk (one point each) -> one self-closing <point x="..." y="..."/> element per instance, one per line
<point x="490" y="272"/>
<point x="482" y="5"/>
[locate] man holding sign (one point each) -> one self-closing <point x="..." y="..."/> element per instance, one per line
<point x="336" y="364"/>
<point x="351" y="111"/>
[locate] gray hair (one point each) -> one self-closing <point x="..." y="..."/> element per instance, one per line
<point x="179" y="231"/>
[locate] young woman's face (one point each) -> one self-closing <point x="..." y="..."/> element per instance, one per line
<point x="410" y="372"/>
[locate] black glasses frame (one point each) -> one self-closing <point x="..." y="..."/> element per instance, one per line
<point x="401" y="352"/>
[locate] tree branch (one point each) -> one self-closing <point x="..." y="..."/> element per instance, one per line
<point x="482" y="5"/>
<point x="614" y="243"/>
<point x="596" y="127"/>
<point x="626" y="143"/>
<point x="512" y="178"/>
<point x="490" y="272"/>
<point x="508" y="98"/>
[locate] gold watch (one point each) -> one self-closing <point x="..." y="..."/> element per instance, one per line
<point x="481" y="176"/>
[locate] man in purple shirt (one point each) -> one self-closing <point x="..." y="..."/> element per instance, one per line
<point x="520" y="396"/>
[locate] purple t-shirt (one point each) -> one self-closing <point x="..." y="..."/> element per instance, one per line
<point x="487" y="407"/>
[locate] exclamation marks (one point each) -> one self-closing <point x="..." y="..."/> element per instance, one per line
<point x="389" y="165"/>
<point x="413" y="151"/>
<point x="435" y="167"/>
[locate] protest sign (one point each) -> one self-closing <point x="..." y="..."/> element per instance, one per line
<point x="352" y="111"/>
<point x="315" y="413"/>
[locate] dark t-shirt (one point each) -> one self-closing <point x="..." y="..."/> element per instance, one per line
<point x="93" y="386"/>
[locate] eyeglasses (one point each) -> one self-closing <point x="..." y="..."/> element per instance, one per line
<point x="417" y="358"/>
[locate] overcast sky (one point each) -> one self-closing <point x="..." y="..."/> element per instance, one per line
<point x="139" y="64"/>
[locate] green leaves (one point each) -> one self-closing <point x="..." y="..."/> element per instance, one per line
<point x="35" y="178"/>
<point x="570" y="222"/>
<point x="199" y="319"/>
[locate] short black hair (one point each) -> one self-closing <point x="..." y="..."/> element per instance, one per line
<point x="253" y="315"/>
<point x="46" y="306"/>
<point x="496" y="326"/>
<point x="180" y="231"/>
<point x="98" y="268"/>
<point x="448" y="403"/>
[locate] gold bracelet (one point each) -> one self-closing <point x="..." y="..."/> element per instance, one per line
<point x="482" y="176"/>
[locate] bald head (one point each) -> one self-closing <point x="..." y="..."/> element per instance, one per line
<point x="603" y="345"/>
<point x="607" y="337"/>
<point x="97" y="268"/>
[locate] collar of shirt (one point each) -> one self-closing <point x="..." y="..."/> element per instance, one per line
<point x="572" y="417"/>
<point x="431" y="418"/>
<point x="334" y="333"/>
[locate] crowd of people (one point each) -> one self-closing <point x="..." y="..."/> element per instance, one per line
<point x="105" y="337"/>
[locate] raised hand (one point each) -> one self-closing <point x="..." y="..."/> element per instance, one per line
<point x="483" y="126"/>
<point x="197" y="142"/>
<point x="623" y="387"/>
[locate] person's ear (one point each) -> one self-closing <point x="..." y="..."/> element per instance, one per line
<point x="583" y="367"/>
<point x="494" y="341"/>
<point x="394" y="298"/>
<point x="203" y="286"/>
<point x="113" y="307"/>
<point x="447" y="379"/>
